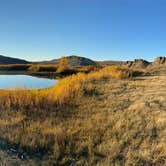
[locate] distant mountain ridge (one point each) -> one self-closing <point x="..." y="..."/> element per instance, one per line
<point x="73" y="60"/>
<point x="10" y="60"/>
<point x="109" y="62"/>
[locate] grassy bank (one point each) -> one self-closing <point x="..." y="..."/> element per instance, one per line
<point x="63" y="92"/>
<point x="83" y="120"/>
<point x="47" y="70"/>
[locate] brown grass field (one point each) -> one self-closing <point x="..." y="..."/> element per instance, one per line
<point x="101" y="118"/>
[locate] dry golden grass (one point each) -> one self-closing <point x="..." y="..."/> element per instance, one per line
<point x="61" y="93"/>
<point x="93" y="120"/>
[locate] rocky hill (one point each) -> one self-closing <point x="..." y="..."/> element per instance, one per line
<point x="73" y="61"/>
<point x="10" y="60"/>
<point x="137" y="64"/>
<point x="159" y="62"/>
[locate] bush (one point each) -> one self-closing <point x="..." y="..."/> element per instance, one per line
<point x="15" y="67"/>
<point x="63" y="66"/>
<point x="42" y="68"/>
<point x="34" y="68"/>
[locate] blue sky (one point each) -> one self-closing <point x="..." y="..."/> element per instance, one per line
<point x="98" y="29"/>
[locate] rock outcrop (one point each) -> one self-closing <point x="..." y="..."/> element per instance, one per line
<point x="159" y="61"/>
<point x="137" y="64"/>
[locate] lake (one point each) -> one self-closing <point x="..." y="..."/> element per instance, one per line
<point x="25" y="81"/>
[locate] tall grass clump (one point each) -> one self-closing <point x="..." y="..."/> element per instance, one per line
<point x="72" y="86"/>
<point x="61" y="93"/>
<point x="66" y="89"/>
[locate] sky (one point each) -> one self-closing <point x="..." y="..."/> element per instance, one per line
<point x="97" y="29"/>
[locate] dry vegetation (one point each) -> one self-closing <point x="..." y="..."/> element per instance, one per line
<point x="63" y="92"/>
<point x="88" y="119"/>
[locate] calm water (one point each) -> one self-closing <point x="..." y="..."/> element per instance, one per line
<point x="24" y="81"/>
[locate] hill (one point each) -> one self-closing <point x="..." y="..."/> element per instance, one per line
<point x="10" y="60"/>
<point x="73" y="60"/>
